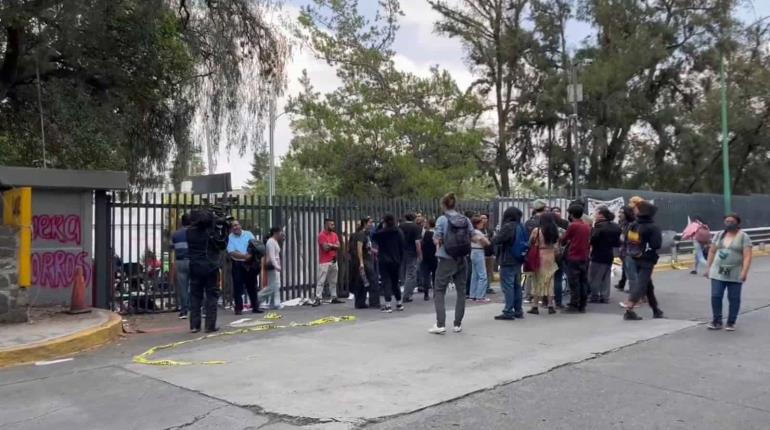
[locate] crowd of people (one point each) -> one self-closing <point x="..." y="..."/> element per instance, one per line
<point x="420" y="254"/>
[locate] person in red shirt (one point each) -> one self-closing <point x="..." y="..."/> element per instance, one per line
<point x="578" y="239"/>
<point x="328" y="245"/>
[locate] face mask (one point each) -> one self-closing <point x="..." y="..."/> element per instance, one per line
<point x="731" y="227"/>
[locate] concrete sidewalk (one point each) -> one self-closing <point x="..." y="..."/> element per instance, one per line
<point x="53" y="334"/>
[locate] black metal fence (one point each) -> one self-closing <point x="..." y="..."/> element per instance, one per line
<point x="142" y="224"/>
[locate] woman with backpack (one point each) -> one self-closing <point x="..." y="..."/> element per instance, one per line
<point x="544" y="239"/>
<point x="728" y="267"/>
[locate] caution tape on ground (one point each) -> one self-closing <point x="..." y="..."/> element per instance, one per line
<point x="144" y="358"/>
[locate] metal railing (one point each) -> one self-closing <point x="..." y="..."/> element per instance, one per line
<point x="760" y="237"/>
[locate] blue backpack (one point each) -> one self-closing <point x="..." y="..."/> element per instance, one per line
<point x="520" y="246"/>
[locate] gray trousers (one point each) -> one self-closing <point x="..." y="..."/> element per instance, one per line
<point x="450" y="270"/>
<point x="182" y="285"/>
<point x="410" y="274"/>
<point x="599" y="279"/>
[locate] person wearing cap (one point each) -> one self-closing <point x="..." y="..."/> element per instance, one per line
<point x="328" y="245"/>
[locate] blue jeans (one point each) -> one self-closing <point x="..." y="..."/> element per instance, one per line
<point x="558" y="284"/>
<point x="700" y="259"/>
<point x="510" y="281"/>
<point x="479" y="282"/>
<point x="272" y="294"/>
<point x="630" y="267"/>
<point x="182" y="285"/>
<point x="733" y="297"/>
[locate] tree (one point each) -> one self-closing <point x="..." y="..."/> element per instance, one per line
<point x="291" y="179"/>
<point x="501" y="51"/>
<point x="120" y="81"/>
<point x="383" y="132"/>
<point x="260" y="168"/>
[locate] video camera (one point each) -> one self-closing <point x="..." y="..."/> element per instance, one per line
<point x="215" y="217"/>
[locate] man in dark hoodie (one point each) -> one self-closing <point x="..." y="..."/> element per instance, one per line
<point x="643" y="240"/>
<point x="510" y="267"/>
<point x="390" y="245"/>
<point x="605" y="237"/>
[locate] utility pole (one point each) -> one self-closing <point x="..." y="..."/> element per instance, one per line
<point x="728" y="195"/>
<point x="271" y="144"/>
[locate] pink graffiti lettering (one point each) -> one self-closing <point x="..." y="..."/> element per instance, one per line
<point x="57" y="269"/>
<point x="61" y="228"/>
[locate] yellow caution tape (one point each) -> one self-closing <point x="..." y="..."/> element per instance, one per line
<point x="144" y="358"/>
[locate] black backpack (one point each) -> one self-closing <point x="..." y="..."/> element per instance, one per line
<point x="457" y="238"/>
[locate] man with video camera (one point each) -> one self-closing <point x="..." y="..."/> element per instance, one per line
<point x="206" y="239"/>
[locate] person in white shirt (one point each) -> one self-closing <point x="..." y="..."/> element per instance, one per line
<point x="272" y="266"/>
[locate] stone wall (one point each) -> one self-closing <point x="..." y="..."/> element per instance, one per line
<point x="13" y="300"/>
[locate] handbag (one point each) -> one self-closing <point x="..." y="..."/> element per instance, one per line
<point x="532" y="263"/>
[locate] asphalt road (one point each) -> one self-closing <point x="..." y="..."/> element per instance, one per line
<point x="386" y="372"/>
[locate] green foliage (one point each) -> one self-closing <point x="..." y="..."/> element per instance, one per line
<point x="384" y="132"/>
<point x="291" y="179"/>
<point x="120" y="80"/>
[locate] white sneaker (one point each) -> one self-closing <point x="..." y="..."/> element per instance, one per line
<point x="458" y="329"/>
<point x="437" y="330"/>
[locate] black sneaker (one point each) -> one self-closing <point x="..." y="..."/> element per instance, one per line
<point x="631" y="316"/>
<point x="504" y="317"/>
<point x="534" y="311"/>
<point x="336" y="301"/>
<point x="519" y="316"/>
<point x="714" y="325"/>
<point x="657" y="314"/>
<point x="399" y="307"/>
<point x="212" y="330"/>
<point x="551" y="310"/>
<point x="620" y="287"/>
<point x="257" y="311"/>
<point x="427" y="297"/>
<point x="317" y="303"/>
<point x="693" y="272"/>
<point x="195" y="330"/>
<point x="407" y="300"/>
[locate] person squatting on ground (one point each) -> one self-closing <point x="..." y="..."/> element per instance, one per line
<point x="728" y="268"/>
<point x="544" y="238"/>
<point x="205" y="244"/>
<point x="605" y="237"/>
<point x="272" y="269"/>
<point x="643" y="241"/>
<point x="328" y="271"/>
<point x="412" y="254"/>
<point x="510" y="265"/>
<point x="479" y="281"/>
<point x="243" y="271"/>
<point x="390" y="246"/>
<point x="181" y="270"/>
<point x="429" y="260"/>
<point x="363" y="274"/>
<point x="578" y="238"/>
<point x="453" y="237"/>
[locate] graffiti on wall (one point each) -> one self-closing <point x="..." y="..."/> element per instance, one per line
<point x="56" y="268"/>
<point x="60" y="228"/>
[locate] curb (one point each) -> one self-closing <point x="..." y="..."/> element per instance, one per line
<point x="65" y="345"/>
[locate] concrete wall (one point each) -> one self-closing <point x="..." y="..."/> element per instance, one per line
<point x="61" y="242"/>
<point x="13" y="300"/>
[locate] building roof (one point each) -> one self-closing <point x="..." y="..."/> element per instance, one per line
<point x="62" y="179"/>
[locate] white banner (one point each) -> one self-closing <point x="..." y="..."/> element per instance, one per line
<point x="613" y="205"/>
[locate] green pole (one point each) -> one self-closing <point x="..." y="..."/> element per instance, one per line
<point x="725" y="154"/>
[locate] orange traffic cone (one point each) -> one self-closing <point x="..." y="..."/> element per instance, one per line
<point x="78" y="301"/>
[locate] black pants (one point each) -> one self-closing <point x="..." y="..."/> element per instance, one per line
<point x="577" y="275"/>
<point x="200" y="283"/>
<point x="389" y="273"/>
<point x="645" y="287"/>
<point x="363" y="284"/>
<point x="244" y="279"/>
<point x="470" y="275"/>
<point x="428" y="275"/>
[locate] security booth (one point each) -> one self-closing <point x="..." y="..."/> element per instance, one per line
<point x="68" y="234"/>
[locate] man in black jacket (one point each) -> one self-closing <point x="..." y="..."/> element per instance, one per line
<point x="605" y="237"/>
<point x="510" y="267"/>
<point x="205" y="243"/>
<point x="643" y="240"/>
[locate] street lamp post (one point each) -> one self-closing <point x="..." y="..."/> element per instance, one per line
<point x="574" y="96"/>
<point x="272" y="119"/>
<point x="727" y="191"/>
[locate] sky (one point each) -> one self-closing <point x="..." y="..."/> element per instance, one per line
<point x="417" y="48"/>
